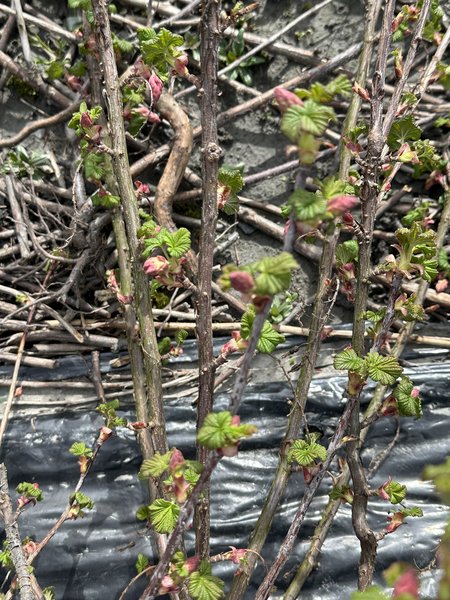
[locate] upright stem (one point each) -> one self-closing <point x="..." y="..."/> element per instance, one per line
<point x="14" y="539"/>
<point x="379" y="129"/>
<point x="281" y="477"/>
<point x="146" y="336"/>
<point x="210" y="33"/>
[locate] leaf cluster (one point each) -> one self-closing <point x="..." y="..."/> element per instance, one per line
<point x="160" y="49"/>
<point x="29" y="491"/>
<point x="306" y="452"/>
<point x="108" y="412"/>
<point x="382" y="369"/>
<point x="175" y="244"/>
<point x="218" y="431"/>
<point x="269" y="338"/>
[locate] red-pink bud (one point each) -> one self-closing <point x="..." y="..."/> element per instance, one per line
<point x="407" y="583"/>
<point x="362" y="92"/>
<point x="348" y="219"/>
<point x="242" y="281"/>
<point x="342" y="204"/>
<point x="86" y="120"/>
<point x="156" y="265"/>
<point x="285" y="98"/>
<point x="441" y="285"/>
<point x="180" y="65"/>
<point x="156" y="85"/>
<point x="192" y="563"/>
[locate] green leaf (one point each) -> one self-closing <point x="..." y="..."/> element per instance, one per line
<point x="217" y="431"/>
<point x="311" y="118"/>
<point x="143" y="513"/>
<point x="308" y="206"/>
<point x="408" y="405"/>
<point x="414" y="511"/>
<point x="372" y="593"/>
<point x="160" y="50"/>
<point x="80" y="449"/>
<point x="403" y="130"/>
<point x="231" y="178"/>
<point x="180" y="336"/>
<point x="121" y="45"/>
<point x="396" y="492"/>
<point x="29" y="490"/>
<point x="384" y="369"/>
<point x="49" y="593"/>
<point x="55" y="70"/>
<point x="331" y="187"/>
<point x="178" y="243"/>
<point x="155" y="466"/>
<point x="347" y="252"/>
<point x="205" y="586"/>
<point x="274" y="274"/>
<point x="94" y="166"/>
<point x="141" y="563"/>
<point x="305" y="452"/>
<point x="269" y="338"/>
<point x="163" y="515"/>
<point x="348" y="360"/>
<point x="82" y="500"/>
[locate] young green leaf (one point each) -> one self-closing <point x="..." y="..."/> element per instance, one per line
<point x="308" y="206"/>
<point x="408" y="402"/>
<point x="384" y="369"/>
<point x="403" y="130"/>
<point x="143" y="513"/>
<point x="180" y="336"/>
<point x="396" y="492"/>
<point x="177" y="243"/>
<point x="141" y="563"/>
<point x="155" y="466"/>
<point x="273" y="274"/>
<point x="203" y="585"/>
<point x="80" y="449"/>
<point x="310" y="118"/>
<point x="160" y="49"/>
<point x="305" y="452"/>
<point x="269" y="338"/>
<point x="231" y="178"/>
<point x="347" y="252"/>
<point x="218" y="431"/>
<point x="49" y="593"/>
<point x="348" y="360"/>
<point x="163" y="515"/>
<point x="30" y="490"/>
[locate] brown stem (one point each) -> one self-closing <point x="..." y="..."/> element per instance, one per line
<point x="210" y="33"/>
<point x="14" y="541"/>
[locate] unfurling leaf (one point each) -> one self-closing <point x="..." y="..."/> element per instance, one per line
<point x="403" y="130"/>
<point x="218" y="431"/>
<point x="141" y="563"/>
<point x="163" y="515"/>
<point x="305" y="452"/>
<point x="155" y="466"/>
<point x="310" y="118"/>
<point x="408" y="400"/>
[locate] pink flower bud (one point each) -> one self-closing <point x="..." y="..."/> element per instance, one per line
<point x="138" y="425"/>
<point x="236" y="554"/>
<point x="342" y="204"/>
<point x="153" y="118"/>
<point x="242" y="281"/>
<point x="156" y="86"/>
<point x="156" y="265"/>
<point x="141" y="188"/>
<point x="285" y="99"/>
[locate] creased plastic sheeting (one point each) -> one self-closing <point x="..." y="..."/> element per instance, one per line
<point x="93" y="558"/>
